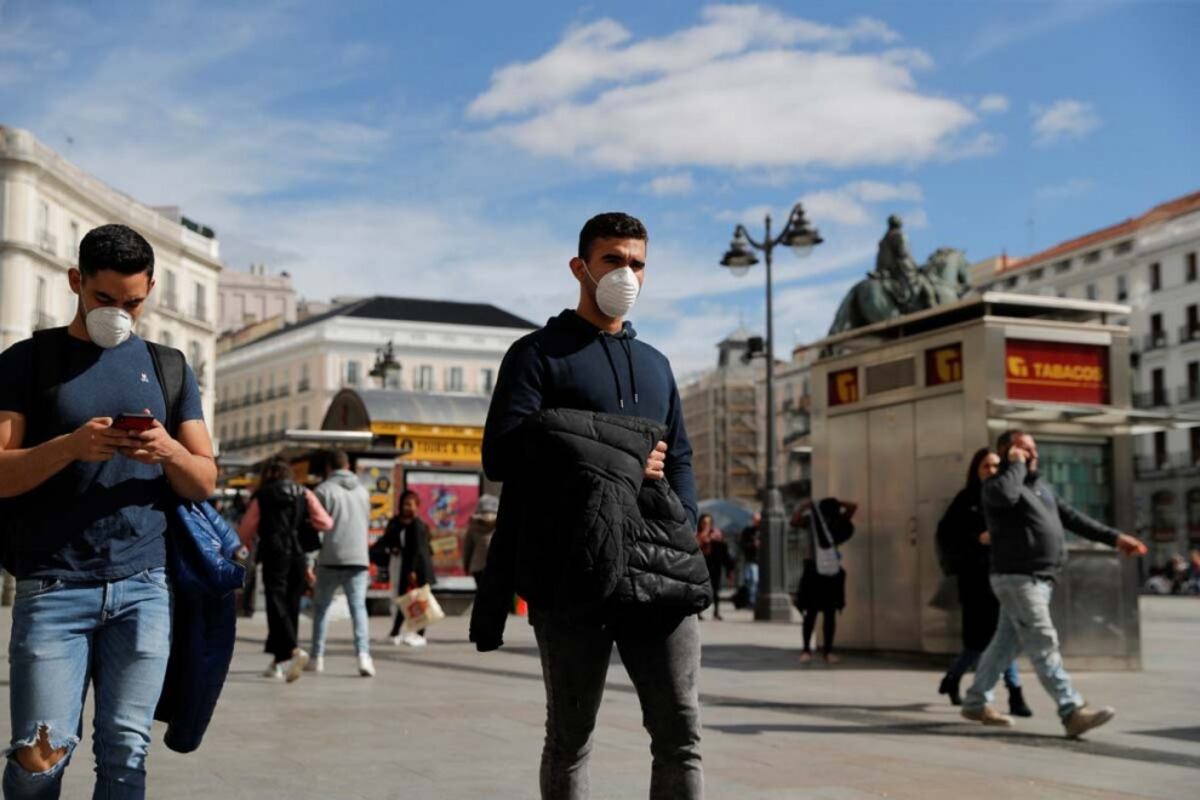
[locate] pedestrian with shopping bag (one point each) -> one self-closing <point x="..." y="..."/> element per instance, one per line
<point x="407" y="536"/>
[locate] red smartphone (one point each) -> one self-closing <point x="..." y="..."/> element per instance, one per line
<point x="134" y="422"/>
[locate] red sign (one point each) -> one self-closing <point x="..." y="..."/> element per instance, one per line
<point x="943" y="365"/>
<point x="843" y="387"/>
<point x="1059" y="372"/>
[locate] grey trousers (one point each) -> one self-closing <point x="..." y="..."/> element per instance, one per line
<point x="663" y="661"/>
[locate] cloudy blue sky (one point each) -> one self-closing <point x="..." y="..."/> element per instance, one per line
<point x="453" y="150"/>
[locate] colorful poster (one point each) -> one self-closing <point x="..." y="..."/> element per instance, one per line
<point x="378" y="477"/>
<point x="1059" y="372"/>
<point x="447" y="501"/>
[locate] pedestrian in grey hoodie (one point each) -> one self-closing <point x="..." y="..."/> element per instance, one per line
<point x="342" y="560"/>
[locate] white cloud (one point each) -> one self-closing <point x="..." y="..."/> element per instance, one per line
<point x="601" y="51"/>
<point x="992" y="104"/>
<point x="671" y="185"/>
<point x="734" y="91"/>
<point x="1063" y="121"/>
<point x="1073" y="187"/>
<point x="845" y="205"/>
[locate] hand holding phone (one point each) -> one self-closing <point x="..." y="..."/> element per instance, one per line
<point x="133" y="422"/>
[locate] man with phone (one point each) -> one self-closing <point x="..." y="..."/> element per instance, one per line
<point x="88" y="473"/>
<point x="1026" y="520"/>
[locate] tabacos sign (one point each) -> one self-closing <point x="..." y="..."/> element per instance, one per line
<point x="1058" y="372"/>
<point x="843" y="387"/>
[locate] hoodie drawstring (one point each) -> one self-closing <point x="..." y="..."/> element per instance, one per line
<point x="612" y="365"/>
<point x="632" y="377"/>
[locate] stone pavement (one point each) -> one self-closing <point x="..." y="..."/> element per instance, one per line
<point x="447" y="722"/>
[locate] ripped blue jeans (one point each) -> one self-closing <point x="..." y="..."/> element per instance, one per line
<point x="67" y="635"/>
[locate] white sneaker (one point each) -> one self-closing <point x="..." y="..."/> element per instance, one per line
<point x="295" y="665"/>
<point x="398" y="640"/>
<point x="366" y="667"/>
<point x="415" y="640"/>
<point x="273" y="670"/>
<point x="316" y="664"/>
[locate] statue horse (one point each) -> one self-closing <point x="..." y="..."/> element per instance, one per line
<point x="942" y="279"/>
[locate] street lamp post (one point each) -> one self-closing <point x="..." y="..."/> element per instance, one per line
<point x="773" y="603"/>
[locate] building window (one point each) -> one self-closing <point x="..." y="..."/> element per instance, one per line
<point x="1092" y="257"/>
<point x="1160" y="449"/>
<point x="170" y="299"/>
<point x="1189" y="267"/>
<point x="1035" y="275"/>
<point x="165" y="338"/>
<point x="304" y="417"/>
<point x="246" y="429"/>
<point x="424" y="382"/>
<point x="487" y="380"/>
<point x="1195" y="437"/>
<point x="258" y="426"/>
<point x="1122" y="248"/>
<point x="392" y="378"/>
<point x="270" y="423"/>
<point x="1158" y="383"/>
<point x="352" y="372"/>
<point x="1192" y="390"/>
<point x="303" y="386"/>
<point x="1062" y="266"/>
<point x="1091" y="291"/>
<point x="454" y="379"/>
<point x="1155" y="276"/>
<point x="1010" y="283"/>
<point x="1122" y="288"/>
<point x="224" y="430"/>
<point x="200" y="303"/>
<point x="1158" y="336"/>
<point x="74" y="240"/>
<point x="283" y="421"/>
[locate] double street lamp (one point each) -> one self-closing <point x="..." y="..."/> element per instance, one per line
<point x="774" y="602"/>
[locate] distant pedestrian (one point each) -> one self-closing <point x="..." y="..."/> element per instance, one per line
<point x="1026" y="521"/>
<point x="715" y="550"/>
<point x="749" y="543"/>
<point x="275" y="514"/>
<point x="342" y="561"/>
<point x="479" y="536"/>
<point x="965" y="546"/>
<point x="822" y="589"/>
<point x="407" y="536"/>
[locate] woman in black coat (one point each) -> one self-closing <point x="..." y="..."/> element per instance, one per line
<point x="965" y="546"/>
<point x="715" y="550"/>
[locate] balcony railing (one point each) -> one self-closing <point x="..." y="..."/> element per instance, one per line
<point x="200" y="313"/>
<point x="1153" y="399"/>
<point x="1188" y="393"/>
<point x="1155" y="340"/>
<point x="1189" y="333"/>
<point x="303" y="385"/>
<point x="170" y="300"/>
<point x="1163" y="463"/>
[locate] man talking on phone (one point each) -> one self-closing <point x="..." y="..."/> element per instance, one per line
<point x="85" y="518"/>
<point x="1026" y="520"/>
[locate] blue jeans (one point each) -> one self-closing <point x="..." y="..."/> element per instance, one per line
<point x="1025" y="626"/>
<point x="968" y="659"/>
<point x="353" y="581"/>
<point x="65" y="635"/>
<point x="750" y="581"/>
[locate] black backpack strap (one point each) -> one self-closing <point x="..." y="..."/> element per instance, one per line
<point x="171" y="370"/>
<point x="49" y="353"/>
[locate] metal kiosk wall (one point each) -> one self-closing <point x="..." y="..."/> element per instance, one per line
<point x="900" y="406"/>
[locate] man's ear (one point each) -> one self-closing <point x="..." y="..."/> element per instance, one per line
<point x="578" y="268"/>
<point x="75" y="280"/>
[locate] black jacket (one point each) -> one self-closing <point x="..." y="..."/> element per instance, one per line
<point x="283" y="509"/>
<point x="571" y="363"/>
<point x="581" y="533"/>
<point x="1026" y="521"/>
<point x="415" y="555"/>
<point x="958" y="535"/>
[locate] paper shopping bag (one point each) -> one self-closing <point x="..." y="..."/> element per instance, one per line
<point x="420" y="608"/>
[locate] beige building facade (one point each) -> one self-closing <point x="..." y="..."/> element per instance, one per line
<point x="47" y="204"/>
<point x="253" y="296"/>
<point x="287" y="379"/>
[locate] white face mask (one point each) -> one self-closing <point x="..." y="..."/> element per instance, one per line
<point x="616" y="291"/>
<point x="107" y="326"/>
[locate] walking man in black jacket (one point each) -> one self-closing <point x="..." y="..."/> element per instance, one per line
<point x="589" y="360"/>
<point x="1026" y="522"/>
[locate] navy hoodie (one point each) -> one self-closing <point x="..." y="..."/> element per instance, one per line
<point x="571" y="363"/>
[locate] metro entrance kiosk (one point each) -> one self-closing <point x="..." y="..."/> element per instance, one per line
<point x="898" y="409"/>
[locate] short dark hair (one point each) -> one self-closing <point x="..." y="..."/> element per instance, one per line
<point x="611" y="225"/>
<point x="276" y="469"/>
<point x="116" y="247"/>
<point x="410" y="493"/>
<point x="1005" y="442"/>
<point x="338" y="459"/>
<point x="974" y="484"/>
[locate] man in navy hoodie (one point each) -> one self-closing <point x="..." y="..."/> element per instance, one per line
<point x="590" y="359"/>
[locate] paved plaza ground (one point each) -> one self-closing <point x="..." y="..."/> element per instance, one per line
<point x="447" y="722"/>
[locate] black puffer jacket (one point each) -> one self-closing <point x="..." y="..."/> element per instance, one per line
<point x="583" y="533"/>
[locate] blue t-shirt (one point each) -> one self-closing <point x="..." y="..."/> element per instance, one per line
<point x="100" y="521"/>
